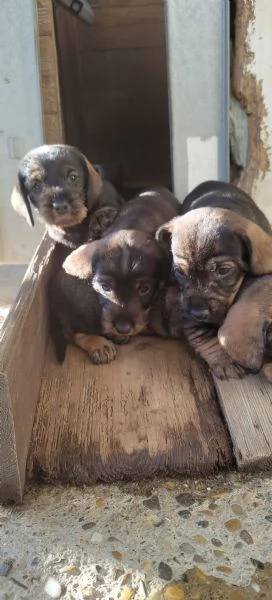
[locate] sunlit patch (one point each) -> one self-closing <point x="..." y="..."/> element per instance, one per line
<point x="4" y="310"/>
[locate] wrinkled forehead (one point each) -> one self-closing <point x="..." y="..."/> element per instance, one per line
<point x="122" y="259"/>
<point x="204" y="240"/>
<point x="50" y="161"/>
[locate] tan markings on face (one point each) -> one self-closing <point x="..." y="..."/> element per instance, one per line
<point x="140" y="321"/>
<point x="37" y="173"/>
<point x="77" y="211"/>
<point x="182" y="264"/>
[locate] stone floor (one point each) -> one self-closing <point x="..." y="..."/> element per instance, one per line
<point x="161" y="539"/>
<point x="141" y="540"/>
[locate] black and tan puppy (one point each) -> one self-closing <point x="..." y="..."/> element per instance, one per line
<point x="107" y="287"/>
<point x="213" y="249"/>
<point x="67" y="193"/>
<point x="219" y="194"/>
<point x="246" y="333"/>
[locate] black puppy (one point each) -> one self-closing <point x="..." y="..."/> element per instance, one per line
<point x="67" y="192"/>
<point x="107" y="287"/>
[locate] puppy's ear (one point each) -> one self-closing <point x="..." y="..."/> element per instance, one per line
<point x="94" y="183"/>
<point x="258" y="245"/>
<point x="164" y="234"/>
<point x="79" y="262"/>
<point x="20" y="201"/>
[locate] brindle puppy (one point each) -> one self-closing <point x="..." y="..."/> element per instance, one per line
<point x="107" y="287"/>
<point x="246" y="333"/>
<point x="67" y="193"/>
<point x="213" y="249"/>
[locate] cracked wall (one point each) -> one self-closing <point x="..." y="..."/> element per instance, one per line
<point x="251" y="85"/>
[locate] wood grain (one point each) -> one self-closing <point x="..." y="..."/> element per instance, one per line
<point x="23" y="341"/>
<point x="247" y="408"/>
<point x="51" y="103"/>
<point x="153" y="410"/>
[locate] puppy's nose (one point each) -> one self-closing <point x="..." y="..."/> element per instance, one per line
<point x="122" y="325"/>
<point x="60" y="205"/>
<point x="199" y="309"/>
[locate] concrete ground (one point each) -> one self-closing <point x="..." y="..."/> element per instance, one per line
<point x="172" y="539"/>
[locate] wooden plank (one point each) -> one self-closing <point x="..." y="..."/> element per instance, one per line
<point x="52" y="111"/>
<point x="51" y="125"/>
<point x="153" y="410"/>
<point x="44" y="17"/>
<point x="247" y="408"/>
<point x="23" y="340"/>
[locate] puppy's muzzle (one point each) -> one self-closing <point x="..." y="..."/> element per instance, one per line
<point x="123" y="325"/>
<point x="198" y="309"/>
<point x="60" y="205"/>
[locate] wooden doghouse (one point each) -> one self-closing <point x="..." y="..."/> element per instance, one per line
<point x="156" y="409"/>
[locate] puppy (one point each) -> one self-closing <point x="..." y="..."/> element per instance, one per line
<point x="246" y="333"/>
<point x="67" y="192"/>
<point x="121" y="274"/>
<point x="213" y="249"/>
<point x="219" y="194"/>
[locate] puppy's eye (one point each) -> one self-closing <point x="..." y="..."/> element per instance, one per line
<point x="73" y="177"/>
<point x="106" y="287"/>
<point x="224" y="270"/>
<point x="144" y="289"/>
<point x="36" y="186"/>
<point x="180" y="275"/>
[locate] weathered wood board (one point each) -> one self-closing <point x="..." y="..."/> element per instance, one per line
<point x="152" y="411"/>
<point x="247" y="408"/>
<point x="23" y="340"/>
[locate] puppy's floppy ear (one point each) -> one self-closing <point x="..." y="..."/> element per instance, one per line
<point x="79" y="262"/>
<point x="258" y="246"/>
<point x="94" y="183"/>
<point x="20" y="201"/>
<point x="242" y="334"/>
<point x="164" y="234"/>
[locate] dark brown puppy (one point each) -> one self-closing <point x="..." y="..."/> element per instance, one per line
<point x="67" y="193"/>
<point x="121" y="273"/>
<point x="219" y="194"/>
<point x="213" y="249"/>
<point x="246" y="333"/>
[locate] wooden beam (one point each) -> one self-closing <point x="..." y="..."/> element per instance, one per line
<point x="23" y="341"/>
<point x="49" y="74"/>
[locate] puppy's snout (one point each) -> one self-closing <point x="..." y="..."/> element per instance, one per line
<point x="123" y="325"/>
<point x="60" y="204"/>
<point x="199" y="309"/>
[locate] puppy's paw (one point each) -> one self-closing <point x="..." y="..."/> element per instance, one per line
<point x="100" y="350"/>
<point x="228" y="370"/>
<point x="104" y="355"/>
<point x="101" y="220"/>
<point x="267" y="371"/>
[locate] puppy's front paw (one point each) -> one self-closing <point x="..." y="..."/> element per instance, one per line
<point x="104" y="355"/>
<point x="100" y="221"/>
<point x="228" y="370"/>
<point x="100" y="350"/>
